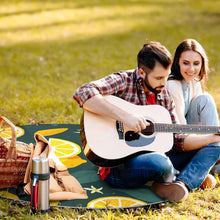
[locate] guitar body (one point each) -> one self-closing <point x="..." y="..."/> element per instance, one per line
<point x="107" y="142"/>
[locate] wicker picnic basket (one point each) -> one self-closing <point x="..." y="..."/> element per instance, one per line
<point x="14" y="157"/>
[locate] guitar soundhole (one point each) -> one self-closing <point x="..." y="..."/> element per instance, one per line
<point x="149" y="130"/>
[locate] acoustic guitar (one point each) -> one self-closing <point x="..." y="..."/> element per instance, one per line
<point x="107" y="142"/>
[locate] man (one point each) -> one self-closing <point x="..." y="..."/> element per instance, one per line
<point x="146" y="86"/>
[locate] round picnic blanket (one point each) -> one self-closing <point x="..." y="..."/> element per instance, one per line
<point x="65" y="139"/>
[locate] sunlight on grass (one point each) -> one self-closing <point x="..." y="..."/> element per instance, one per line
<point x="49" y="45"/>
<point x="75" y="23"/>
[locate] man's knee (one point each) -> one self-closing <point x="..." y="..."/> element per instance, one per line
<point x="167" y="169"/>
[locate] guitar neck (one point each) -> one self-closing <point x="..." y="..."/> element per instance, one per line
<point x="177" y="128"/>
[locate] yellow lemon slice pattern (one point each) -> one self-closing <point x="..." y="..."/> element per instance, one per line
<point x="54" y="203"/>
<point x="8" y="195"/>
<point x="71" y="162"/>
<point x="115" y="202"/>
<point x="66" y="151"/>
<point x="49" y="132"/>
<point x="63" y="148"/>
<point x="6" y="132"/>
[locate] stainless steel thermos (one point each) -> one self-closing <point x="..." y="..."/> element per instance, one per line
<point x="40" y="175"/>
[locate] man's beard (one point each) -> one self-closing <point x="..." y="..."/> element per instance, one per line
<point x="154" y="90"/>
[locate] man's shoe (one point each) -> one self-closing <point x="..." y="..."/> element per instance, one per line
<point x="173" y="192"/>
<point x="209" y="182"/>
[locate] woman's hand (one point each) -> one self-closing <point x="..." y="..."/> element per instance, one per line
<point x="215" y="138"/>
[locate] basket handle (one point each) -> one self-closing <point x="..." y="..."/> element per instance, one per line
<point x="12" y="148"/>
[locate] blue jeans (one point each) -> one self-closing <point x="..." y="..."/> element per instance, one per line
<point x="202" y="111"/>
<point x="194" y="165"/>
<point x="139" y="170"/>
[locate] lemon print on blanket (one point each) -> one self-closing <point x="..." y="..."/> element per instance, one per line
<point x="50" y="132"/>
<point x="67" y="152"/>
<point x="6" y="132"/>
<point x="8" y="195"/>
<point x="115" y="202"/>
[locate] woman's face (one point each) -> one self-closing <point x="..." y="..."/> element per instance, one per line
<point x="190" y="63"/>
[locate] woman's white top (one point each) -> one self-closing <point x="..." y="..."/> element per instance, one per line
<point x="182" y="94"/>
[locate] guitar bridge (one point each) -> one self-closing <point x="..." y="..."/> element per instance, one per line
<point x="120" y="129"/>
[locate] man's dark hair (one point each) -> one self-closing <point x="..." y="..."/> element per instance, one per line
<point x="151" y="53"/>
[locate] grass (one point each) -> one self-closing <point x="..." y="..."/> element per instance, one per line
<point x="49" y="48"/>
<point x="199" y="205"/>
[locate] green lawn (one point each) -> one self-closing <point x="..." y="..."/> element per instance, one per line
<point x="48" y="48"/>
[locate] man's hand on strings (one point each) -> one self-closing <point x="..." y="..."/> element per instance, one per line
<point x="136" y="122"/>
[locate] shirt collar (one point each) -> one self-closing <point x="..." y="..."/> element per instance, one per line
<point x="138" y="77"/>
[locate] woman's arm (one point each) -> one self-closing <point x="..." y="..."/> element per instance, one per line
<point x="193" y="141"/>
<point x="175" y="89"/>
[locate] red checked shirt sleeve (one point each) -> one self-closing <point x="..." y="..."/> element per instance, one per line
<point x="109" y="85"/>
<point x="178" y="141"/>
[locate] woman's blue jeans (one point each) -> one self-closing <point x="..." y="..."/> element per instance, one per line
<point x="202" y="111"/>
<point x="193" y="166"/>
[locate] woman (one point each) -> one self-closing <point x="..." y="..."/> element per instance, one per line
<point x="189" y="73"/>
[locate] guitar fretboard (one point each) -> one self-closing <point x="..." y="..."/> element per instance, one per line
<point x="176" y="128"/>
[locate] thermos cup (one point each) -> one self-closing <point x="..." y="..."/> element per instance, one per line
<point x="40" y="175"/>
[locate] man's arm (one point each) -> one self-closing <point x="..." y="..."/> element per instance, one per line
<point x="99" y="105"/>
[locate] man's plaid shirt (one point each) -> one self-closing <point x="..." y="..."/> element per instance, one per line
<point x="128" y="85"/>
